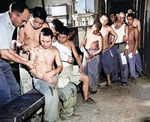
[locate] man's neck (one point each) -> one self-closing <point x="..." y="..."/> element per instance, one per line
<point x="44" y="48"/>
<point x="120" y="24"/>
<point x="130" y="26"/>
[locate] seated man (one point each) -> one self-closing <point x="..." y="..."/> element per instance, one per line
<point x="66" y="48"/>
<point x="45" y="79"/>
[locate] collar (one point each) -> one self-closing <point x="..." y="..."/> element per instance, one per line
<point x="9" y="21"/>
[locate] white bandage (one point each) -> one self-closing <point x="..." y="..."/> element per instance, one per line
<point x="51" y="25"/>
<point x="127" y="46"/>
<point x="19" y="44"/>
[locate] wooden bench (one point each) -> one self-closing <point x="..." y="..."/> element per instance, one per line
<point x="22" y="107"/>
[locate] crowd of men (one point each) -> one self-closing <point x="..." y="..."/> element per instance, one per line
<point x="46" y="57"/>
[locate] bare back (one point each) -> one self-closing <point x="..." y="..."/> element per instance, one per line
<point x="29" y="36"/>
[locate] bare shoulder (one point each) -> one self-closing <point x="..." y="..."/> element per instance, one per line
<point x="46" y="25"/>
<point x="136" y="20"/>
<point x="70" y="42"/>
<point x="99" y="37"/>
<point x="89" y="30"/>
<point x="53" y="49"/>
<point x="135" y="29"/>
<point x="27" y="25"/>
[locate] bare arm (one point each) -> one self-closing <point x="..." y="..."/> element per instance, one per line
<point x="136" y="41"/>
<point x="48" y="76"/>
<point x="84" y="41"/>
<point x="21" y="35"/>
<point x="75" y="53"/>
<point x="115" y="36"/>
<point x="139" y="29"/>
<point x="8" y="55"/>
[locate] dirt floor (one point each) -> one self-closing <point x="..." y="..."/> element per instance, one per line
<point x="118" y="103"/>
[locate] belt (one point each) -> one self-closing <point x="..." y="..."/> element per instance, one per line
<point x="117" y="44"/>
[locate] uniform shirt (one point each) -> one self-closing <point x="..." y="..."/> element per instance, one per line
<point x="6" y="31"/>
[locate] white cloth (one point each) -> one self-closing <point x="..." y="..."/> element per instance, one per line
<point x="120" y="32"/>
<point x="84" y="51"/>
<point x="64" y="53"/>
<point x="6" y="31"/>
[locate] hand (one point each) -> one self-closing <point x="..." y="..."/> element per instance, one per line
<point x="80" y="69"/>
<point x="133" y="52"/>
<point x="125" y="38"/>
<point x="90" y="56"/>
<point x="110" y="46"/>
<point x="126" y="52"/>
<point x="30" y="65"/>
<point x="49" y="77"/>
<point x="70" y="60"/>
<point x="25" y="48"/>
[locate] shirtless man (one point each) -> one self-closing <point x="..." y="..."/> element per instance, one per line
<point x="131" y="49"/>
<point x="67" y="92"/>
<point x="68" y="47"/>
<point x="29" y="38"/>
<point x="120" y="28"/>
<point x="136" y="23"/>
<point x="29" y="34"/>
<point x="107" y="59"/>
<point x="45" y="80"/>
<point x="93" y="44"/>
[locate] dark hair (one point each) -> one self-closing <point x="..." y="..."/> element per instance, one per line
<point x="131" y="15"/>
<point x="112" y="13"/>
<point x="65" y="31"/>
<point x="18" y="6"/>
<point x="40" y="13"/>
<point x="106" y="15"/>
<point x="46" y="32"/>
<point x="97" y="24"/>
<point x="131" y="9"/>
<point x="58" y="25"/>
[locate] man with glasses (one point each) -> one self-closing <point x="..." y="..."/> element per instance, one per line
<point x="29" y="38"/>
<point x="120" y="28"/>
<point x="17" y="15"/>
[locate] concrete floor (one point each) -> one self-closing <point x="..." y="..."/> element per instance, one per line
<point x="118" y="103"/>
